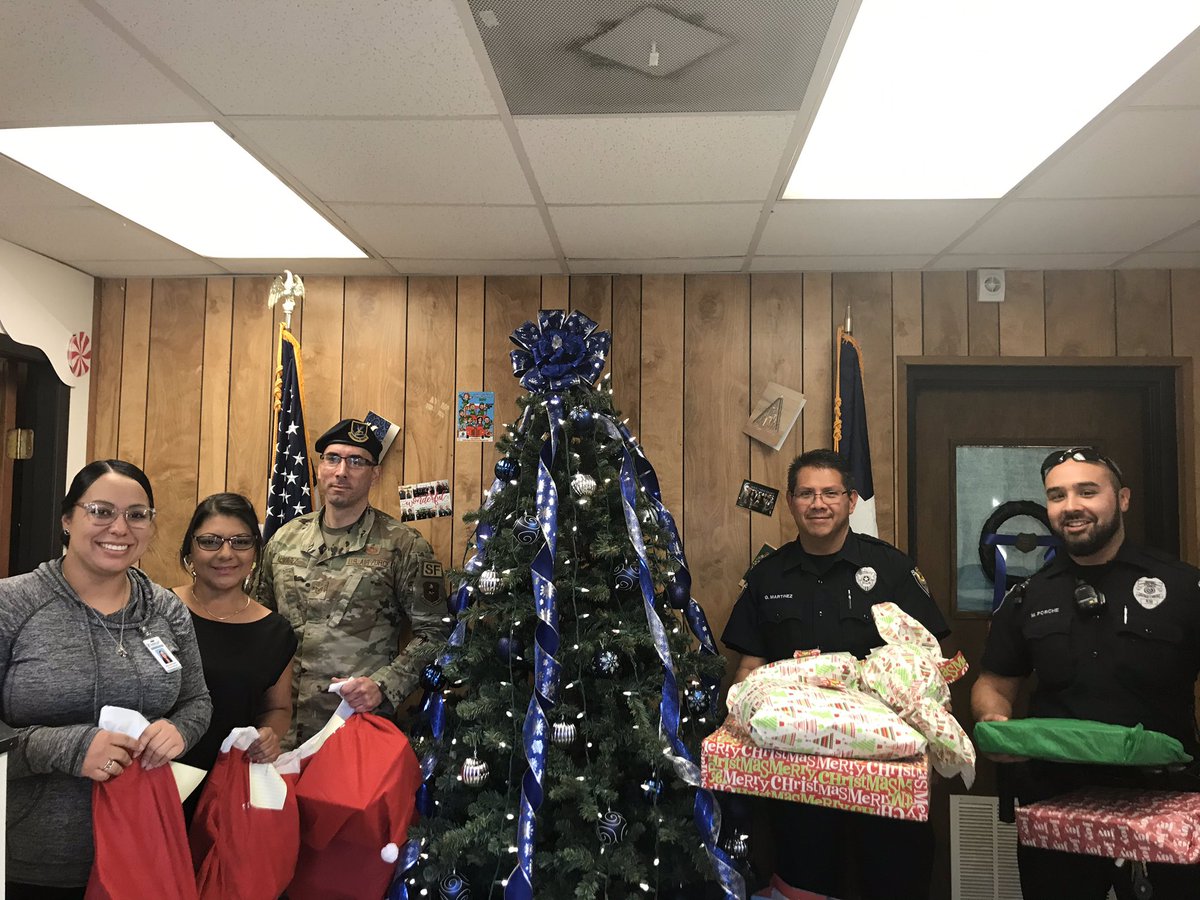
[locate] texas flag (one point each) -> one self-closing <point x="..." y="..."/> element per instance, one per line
<point x="850" y="430"/>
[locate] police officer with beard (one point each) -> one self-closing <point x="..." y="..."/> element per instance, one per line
<point x="1113" y="633"/>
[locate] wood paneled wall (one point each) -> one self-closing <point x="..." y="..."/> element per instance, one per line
<point x="184" y="367"/>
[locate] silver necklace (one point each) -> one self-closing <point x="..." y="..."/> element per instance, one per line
<point x="121" y="651"/>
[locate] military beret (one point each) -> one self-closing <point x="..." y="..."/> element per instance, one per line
<point x="353" y="432"/>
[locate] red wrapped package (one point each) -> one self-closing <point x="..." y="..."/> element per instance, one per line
<point x="356" y="794"/>
<point x="141" y="842"/>
<point x="244" y="804"/>
<point x="1118" y="823"/>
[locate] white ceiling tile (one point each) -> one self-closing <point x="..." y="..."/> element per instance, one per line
<point x="837" y="263"/>
<point x="867" y="227"/>
<point x="477" y="266"/>
<point x="1177" y="84"/>
<point x="62" y="66"/>
<point x="306" y="267"/>
<point x="449" y="232"/>
<point x="147" y="268"/>
<point x="655" y="266"/>
<point x="390" y="161"/>
<point x="1154" y="260"/>
<point x="655" y="159"/>
<point x="1025" y="261"/>
<point x="20" y="186"/>
<point x="1186" y="242"/>
<point x="654" y="232"/>
<point x="1080" y="226"/>
<point x="84" y="232"/>
<point x="279" y="57"/>
<point x="1136" y="153"/>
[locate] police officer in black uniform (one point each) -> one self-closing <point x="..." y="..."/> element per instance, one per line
<point x="816" y="593"/>
<point x="1113" y="633"/>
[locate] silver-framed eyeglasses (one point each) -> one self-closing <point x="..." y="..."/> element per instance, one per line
<point x="214" y="542"/>
<point x="829" y="495"/>
<point x="333" y="460"/>
<point x="102" y="513"/>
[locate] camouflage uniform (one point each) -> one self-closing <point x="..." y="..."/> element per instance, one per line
<point x="349" y="603"/>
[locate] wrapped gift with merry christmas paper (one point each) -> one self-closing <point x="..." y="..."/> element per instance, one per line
<point x="811" y="705"/>
<point x="897" y="788"/>
<point x="1117" y="823"/>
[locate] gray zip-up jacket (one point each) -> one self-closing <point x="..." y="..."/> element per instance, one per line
<point x="58" y="667"/>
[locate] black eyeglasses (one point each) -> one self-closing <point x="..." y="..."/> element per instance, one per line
<point x="1081" y="454"/>
<point x="829" y="495"/>
<point x="214" y="542"/>
<point x="333" y="460"/>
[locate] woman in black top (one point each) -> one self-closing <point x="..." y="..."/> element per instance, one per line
<point x="246" y="648"/>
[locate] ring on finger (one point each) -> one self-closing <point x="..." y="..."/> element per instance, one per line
<point x="107" y="767"/>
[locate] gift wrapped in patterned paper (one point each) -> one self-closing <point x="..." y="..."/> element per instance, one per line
<point x="907" y="674"/>
<point x="779" y="711"/>
<point x="1118" y="823"/>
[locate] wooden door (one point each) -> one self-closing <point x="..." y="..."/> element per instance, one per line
<point x="1128" y="411"/>
<point x="8" y="421"/>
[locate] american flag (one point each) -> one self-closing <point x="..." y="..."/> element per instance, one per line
<point x="289" y="493"/>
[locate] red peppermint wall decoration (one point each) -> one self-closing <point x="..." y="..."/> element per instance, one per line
<point x="79" y="353"/>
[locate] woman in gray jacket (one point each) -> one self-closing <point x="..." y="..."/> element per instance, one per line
<point x="76" y="634"/>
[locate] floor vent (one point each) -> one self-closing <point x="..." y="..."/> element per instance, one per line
<point x="983" y="851"/>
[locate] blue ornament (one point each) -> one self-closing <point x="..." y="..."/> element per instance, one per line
<point x="583" y="420"/>
<point x="508" y="469"/>
<point x="652" y="788"/>
<point x="611" y="827"/>
<point x="606" y="663"/>
<point x="625" y="577"/>
<point x="432" y="677"/>
<point x="678" y="595"/>
<point x="454" y="887"/>
<point x="526" y="530"/>
<point x="510" y="649"/>
<point x="698" y="700"/>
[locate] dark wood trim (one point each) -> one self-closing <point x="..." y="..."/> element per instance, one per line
<point x="998" y="371"/>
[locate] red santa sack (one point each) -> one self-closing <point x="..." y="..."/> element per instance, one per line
<point x="244" y="805"/>
<point x="356" y="794"/>
<point x="140" y="839"/>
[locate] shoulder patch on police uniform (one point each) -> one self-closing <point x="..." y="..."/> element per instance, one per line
<point x="920" y="579"/>
<point x="431" y="568"/>
<point x="1149" y="592"/>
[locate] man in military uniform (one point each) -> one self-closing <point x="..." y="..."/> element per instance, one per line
<point x="349" y="577"/>
<point x="816" y="593"/>
<point x="1113" y="633"/>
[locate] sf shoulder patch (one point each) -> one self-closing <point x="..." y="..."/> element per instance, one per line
<point x="920" y="580"/>
<point x="431" y="568"/>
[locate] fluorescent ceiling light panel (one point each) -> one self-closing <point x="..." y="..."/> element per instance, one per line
<point x="189" y="182"/>
<point x="943" y="99"/>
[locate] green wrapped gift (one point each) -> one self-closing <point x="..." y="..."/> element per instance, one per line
<point x="1080" y="741"/>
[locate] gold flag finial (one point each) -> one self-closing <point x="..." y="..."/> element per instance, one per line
<point x="289" y="288"/>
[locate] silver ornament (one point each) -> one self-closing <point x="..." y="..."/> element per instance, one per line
<point x="474" y="771"/>
<point x="563" y="733"/>
<point x="583" y="484"/>
<point x="489" y="581"/>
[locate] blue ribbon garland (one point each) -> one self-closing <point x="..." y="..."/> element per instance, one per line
<point x="705" y="811"/>
<point x="547" y="668"/>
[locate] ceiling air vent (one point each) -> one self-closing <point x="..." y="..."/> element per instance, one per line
<point x="655" y="42"/>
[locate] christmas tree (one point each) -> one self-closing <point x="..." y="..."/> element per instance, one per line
<point x="563" y="720"/>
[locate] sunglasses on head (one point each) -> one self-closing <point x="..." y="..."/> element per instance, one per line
<point x="1081" y="454"/>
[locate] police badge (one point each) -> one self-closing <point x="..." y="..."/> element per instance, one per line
<point x="866" y="578"/>
<point x="1149" y="592"/>
<point x="920" y="579"/>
